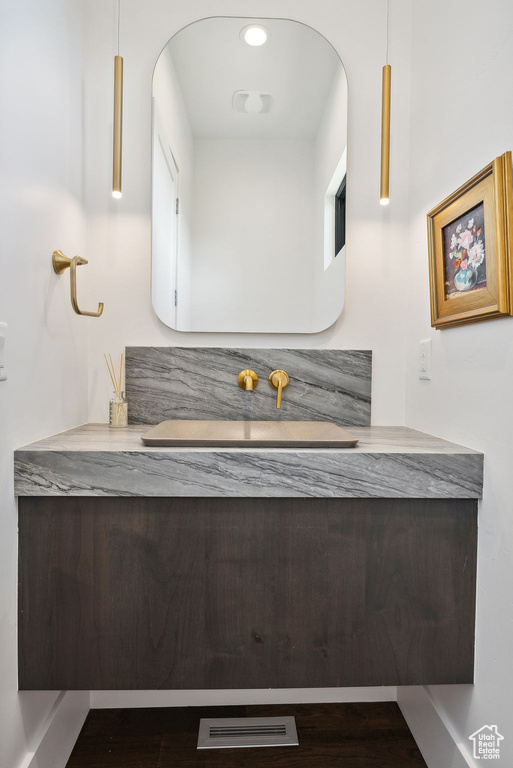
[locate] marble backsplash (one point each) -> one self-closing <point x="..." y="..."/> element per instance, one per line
<point x="201" y="383"/>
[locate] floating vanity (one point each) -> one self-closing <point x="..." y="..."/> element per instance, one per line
<point x="150" y="567"/>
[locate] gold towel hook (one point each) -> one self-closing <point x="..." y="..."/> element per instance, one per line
<point x="60" y="263"/>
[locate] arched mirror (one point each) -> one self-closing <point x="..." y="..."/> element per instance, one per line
<point x="249" y="178"/>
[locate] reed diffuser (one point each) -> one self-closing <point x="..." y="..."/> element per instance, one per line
<point x="118" y="406"/>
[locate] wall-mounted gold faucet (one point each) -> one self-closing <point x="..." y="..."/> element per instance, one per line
<point x="279" y="380"/>
<point x="247" y="380"/>
<point x="60" y="263"/>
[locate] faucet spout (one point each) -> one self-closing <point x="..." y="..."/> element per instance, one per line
<point x="247" y="380"/>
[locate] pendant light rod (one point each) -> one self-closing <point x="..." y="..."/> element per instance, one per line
<point x="118" y="119"/>
<point x="386" y="89"/>
<point x="384" y="195"/>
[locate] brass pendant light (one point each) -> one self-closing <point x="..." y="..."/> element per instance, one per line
<point x="384" y="195"/>
<point x="118" y="120"/>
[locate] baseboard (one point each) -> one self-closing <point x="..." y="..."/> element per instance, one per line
<point x="55" y="741"/>
<point x="130" y="699"/>
<point x="436" y="740"/>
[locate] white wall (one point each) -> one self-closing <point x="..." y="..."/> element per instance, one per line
<point x="42" y="55"/>
<point x="120" y="230"/>
<point x="252" y="234"/>
<point x="461" y="118"/>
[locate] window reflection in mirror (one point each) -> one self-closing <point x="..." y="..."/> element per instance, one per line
<point x="249" y="178"/>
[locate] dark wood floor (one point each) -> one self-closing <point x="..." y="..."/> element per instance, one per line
<point x="359" y="735"/>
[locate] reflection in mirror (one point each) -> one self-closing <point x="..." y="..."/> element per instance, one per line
<point x="249" y="178"/>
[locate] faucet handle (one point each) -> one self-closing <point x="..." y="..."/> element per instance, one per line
<point x="279" y="380"/>
<point x="247" y="379"/>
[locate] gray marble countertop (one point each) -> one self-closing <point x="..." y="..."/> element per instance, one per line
<point x="388" y="462"/>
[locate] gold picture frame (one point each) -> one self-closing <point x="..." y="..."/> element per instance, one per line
<point x="470" y="235"/>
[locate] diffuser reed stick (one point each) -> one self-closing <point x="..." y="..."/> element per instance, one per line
<point x="118" y="412"/>
<point x="110" y="373"/>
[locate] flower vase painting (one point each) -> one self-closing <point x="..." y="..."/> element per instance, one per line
<point x="470" y="241"/>
<point x="465" y="253"/>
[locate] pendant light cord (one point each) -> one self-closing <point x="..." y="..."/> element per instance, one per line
<point x="388" y="28"/>
<point x="119" y="20"/>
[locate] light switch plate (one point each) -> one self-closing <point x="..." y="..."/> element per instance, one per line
<point x="425" y="359"/>
<point x="3" y="364"/>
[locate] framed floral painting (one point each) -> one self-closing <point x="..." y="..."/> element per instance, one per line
<point x="470" y="235"/>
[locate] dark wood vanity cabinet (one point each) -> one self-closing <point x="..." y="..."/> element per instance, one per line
<point x="170" y="593"/>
